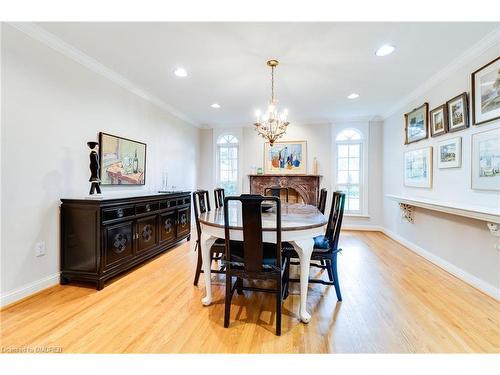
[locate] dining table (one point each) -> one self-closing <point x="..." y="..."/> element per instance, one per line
<point x="300" y="223"/>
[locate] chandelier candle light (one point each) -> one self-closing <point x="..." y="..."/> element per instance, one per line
<point x="272" y="125"/>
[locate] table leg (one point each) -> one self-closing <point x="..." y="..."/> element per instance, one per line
<point x="206" y="243"/>
<point x="304" y="249"/>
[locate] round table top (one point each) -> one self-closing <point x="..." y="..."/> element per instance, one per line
<point x="294" y="217"/>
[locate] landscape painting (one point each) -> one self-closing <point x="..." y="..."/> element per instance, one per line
<point x="450" y="153"/>
<point x="123" y="161"/>
<point x="285" y="158"/>
<point x="458" y="114"/>
<point x="486" y="160"/>
<point x="486" y="93"/>
<point x="439" y="121"/>
<point x="416" y="124"/>
<point x="418" y="168"/>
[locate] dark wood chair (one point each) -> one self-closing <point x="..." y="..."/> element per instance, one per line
<point x="325" y="247"/>
<point x="201" y="204"/>
<point x="322" y="200"/>
<point x="253" y="259"/>
<point x="219" y="196"/>
<point x="276" y="191"/>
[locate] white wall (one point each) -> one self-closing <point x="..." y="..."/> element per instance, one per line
<point x="464" y="246"/>
<point x="319" y="145"/>
<point x="51" y="106"/>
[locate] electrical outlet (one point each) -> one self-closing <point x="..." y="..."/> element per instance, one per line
<point x="40" y="249"/>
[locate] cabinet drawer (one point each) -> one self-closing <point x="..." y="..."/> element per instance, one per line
<point x="117" y="213"/>
<point x="146" y="207"/>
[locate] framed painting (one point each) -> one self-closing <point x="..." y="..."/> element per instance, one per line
<point x="416" y="124"/>
<point x="485" y="84"/>
<point x="449" y="154"/>
<point x="458" y="113"/>
<point x="439" y="121"/>
<point x="123" y="161"/>
<point x="418" y="168"/>
<point x="285" y="158"/>
<point x="486" y="160"/>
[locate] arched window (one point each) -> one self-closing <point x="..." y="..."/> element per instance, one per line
<point x="227" y="163"/>
<point x="349" y="167"/>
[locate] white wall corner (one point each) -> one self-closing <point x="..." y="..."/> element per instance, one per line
<point x="29" y="289"/>
<point x="39" y="33"/>
<point x="490" y="40"/>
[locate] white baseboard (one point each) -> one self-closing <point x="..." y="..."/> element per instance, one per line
<point x="28" y="289"/>
<point x="363" y="227"/>
<point x="477" y="283"/>
<point x="36" y="286"/>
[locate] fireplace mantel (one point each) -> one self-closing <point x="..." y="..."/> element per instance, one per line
<point x="306" y="185"/>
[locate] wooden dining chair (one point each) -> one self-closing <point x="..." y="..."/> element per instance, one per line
<point x="219" y="197"/>
<point x="322" y="200"/>
<point x="325" y="247"/>
<point x="201" y="204"/>
<point x="276" y="191"/>
<point x="251" y="258"/>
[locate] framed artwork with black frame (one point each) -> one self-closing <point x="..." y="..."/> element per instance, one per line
<point x="439" y="121"/>
<point x="416" y="124"/>
<point x="458" y="113"/>
<point x="123" y="160"/>
<point x="485" y="87"/>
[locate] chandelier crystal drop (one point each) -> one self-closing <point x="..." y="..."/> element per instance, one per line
<point x="272" y="124"/>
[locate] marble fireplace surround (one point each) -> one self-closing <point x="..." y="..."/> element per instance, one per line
<point x="306" y="185"/>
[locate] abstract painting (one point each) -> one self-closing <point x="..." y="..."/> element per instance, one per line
<point x="450" y="153"/>
<point x="486" y="160"/>
<point x="418" y="168"/>
<point x="123" y="161"/>
<point x="486" y="93"/>
<point x="285" y="158"/>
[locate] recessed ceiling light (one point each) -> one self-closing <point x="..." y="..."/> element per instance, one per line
<point x="385" y="50"/>
<point x="180" y="72"/>
<point x="353" y="96"/>
<point x="215" y="105"/>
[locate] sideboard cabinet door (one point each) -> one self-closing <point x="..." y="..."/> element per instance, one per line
<point x="146" y="233"/>
<point x="183" y="221"/>
<point x="118" y="243"/>
<point x="167" y="226"/>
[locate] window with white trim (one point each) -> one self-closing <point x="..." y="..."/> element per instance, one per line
<point x="349" y="147"/>
<point x="227" y="163"/>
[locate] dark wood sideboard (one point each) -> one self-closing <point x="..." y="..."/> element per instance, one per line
<point x="102" y="238"/>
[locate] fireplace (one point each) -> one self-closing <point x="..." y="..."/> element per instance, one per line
<point x="302" y="188"/>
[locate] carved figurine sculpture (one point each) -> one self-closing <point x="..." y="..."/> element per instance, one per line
<point x="94" y="168"/>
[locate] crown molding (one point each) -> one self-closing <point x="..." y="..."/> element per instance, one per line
<point x="490" y="40"/>
<point x="57" y="44"/>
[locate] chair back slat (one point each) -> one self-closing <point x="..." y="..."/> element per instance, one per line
<point x="253" y="244"/>
<point x="201" y="204"/>
<point x="219" y="196"/>
<point x="335" y="219"/>
<point x="322" y="200"/>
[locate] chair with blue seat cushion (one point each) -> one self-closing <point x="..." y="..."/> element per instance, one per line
<point x="201" y="204"/>
<point x="325" y="247"/>
<point x="252" y="258"/>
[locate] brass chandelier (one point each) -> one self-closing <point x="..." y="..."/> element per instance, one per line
<point x="272" y="125"/>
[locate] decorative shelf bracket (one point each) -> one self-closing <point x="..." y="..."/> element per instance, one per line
<point x="407" y="212"/>
<point x="495" y="231"/>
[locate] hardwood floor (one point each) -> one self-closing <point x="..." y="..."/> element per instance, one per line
<point x="394" y="301"/>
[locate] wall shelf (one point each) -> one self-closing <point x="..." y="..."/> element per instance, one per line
<point x="490" y="215"/>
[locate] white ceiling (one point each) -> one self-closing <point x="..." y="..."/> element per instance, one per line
<point x="320" y="63"/>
